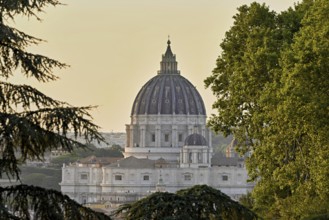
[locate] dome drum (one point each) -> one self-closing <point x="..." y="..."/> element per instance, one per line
<point x="166" y="110"/>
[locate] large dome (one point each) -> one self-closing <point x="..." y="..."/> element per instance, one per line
<point x="168" y="92"/>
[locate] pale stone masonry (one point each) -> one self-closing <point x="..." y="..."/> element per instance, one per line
<point x="168" y="148"/>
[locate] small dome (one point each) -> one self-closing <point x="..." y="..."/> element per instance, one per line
<point x="195" y="140"/>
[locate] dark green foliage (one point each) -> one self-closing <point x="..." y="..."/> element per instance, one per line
<point x="10" y="8"/>
<point x="271" y="83"/>
<point x="157" y="206"/>
<point x="45" y="177"/>
<point x="30" y="202"/>
<point x="198" y="202"/>
<point x="32" y="123"/>
<point x="78" y="153"/>
<point x="114" y="151"/>
<point x="317" y="217"/>
<point x="32" y="133"/>
<point x="247" y="201"/>
<point x="60" y="160"/>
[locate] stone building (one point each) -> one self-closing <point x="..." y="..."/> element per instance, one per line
<point x="168" y="148"/>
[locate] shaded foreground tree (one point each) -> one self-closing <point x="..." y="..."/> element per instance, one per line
<point x="32" y="123"/>
<point x="32" y="202"/>
<point x="198" y="202"/>
<point x="271" y="83"/>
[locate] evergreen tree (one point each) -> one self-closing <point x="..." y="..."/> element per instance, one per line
<point x="271" y="83"/>
<point x="32" y="123"/>
<point x="198" y="202"/>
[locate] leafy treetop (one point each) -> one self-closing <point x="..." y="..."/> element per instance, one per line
<point x="271" y="83"/>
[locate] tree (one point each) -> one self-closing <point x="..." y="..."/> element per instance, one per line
<point x="32" y="202"/>
<point x="117" y="148"/>
<point x="78" y="153"/>
<point x="45" y="177"/>
<point x="274" y="98"/>
<point x="198" y="202"/>
<point x="113" y="151"/>
<point x="64" y="159"/>
<point x="302" y="111"/>
<point x="32" y="123"/>
<point x="246" y="65"/>
<point x="247" y="201"/>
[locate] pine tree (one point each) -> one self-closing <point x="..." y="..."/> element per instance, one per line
<point x="32" y="123"/>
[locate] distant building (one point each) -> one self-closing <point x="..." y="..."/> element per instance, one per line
<point x="168" y="148"/>
<point x="230" y="149"/>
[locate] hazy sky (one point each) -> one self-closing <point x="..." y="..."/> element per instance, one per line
<point x="114" y="47"/>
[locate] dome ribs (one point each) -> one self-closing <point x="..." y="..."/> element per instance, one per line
<point x="168" y="92"/>
<point x="185" y="99"/>
<point x="173" y="97"/>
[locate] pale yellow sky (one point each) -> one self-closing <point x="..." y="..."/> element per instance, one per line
<point x="114" y="47"/>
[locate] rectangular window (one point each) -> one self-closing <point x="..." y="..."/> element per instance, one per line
<point x="84" y="176"/>
<point x="166" y="137"/>
<point x="118" y="177"/>
<point x="146" y="177"/>
<point x="187" y="177"/>
<point x="153" y="137"/>
<point x="225" y="178"/>
<point x="199" y="157"/>
<point x="180" y="137"/>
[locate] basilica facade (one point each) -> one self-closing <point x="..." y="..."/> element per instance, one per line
<point x="168" y="148"/>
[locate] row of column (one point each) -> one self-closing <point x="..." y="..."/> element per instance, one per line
<point x="131" y="142"/>
<point x="192" y="156"/>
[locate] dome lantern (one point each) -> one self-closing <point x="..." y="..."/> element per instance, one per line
<point x="168" y="65"/>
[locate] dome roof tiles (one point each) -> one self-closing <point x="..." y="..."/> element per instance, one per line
<point x="168" y="92"/>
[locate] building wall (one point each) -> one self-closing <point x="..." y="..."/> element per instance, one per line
<point x="104" y="184"/>
<point x="142" y="127"/>
<point x="149" y="132"/>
